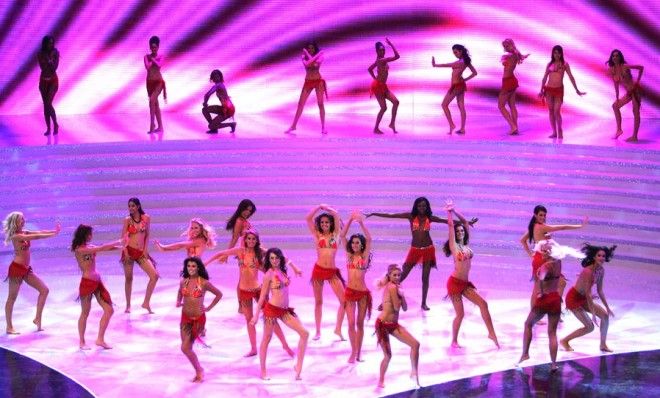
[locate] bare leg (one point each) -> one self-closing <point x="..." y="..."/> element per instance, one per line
<point x="383" y="107"/>
<point x="319" y="100"/>
<point x="406" y="270"/>
<point x="395" y="107"/>
<point x="553" y="320"/>
<point x="457" y="301"/>
<point x="557" y="112"/>
<point x="251" y="330"/>
<point x="616" y="107"/>
<point x="318" y="307"/>
<point x="352" y="333"/>
<point x="85" y="306"/>
<point x="532" y="318"/>
<point x="294" y="323"/>
<point x="604" y="325"/>
<point x="34" y="281"/>
<point x="14" y="287"/>
<point x="449" y="97"/>
<point x="263" y="348"/>
<point x="362" y="313"/>
<point x="514" y="112"/>
<point x="588" y="327"/>
<point x="304" y="94"/>
<point x="187" y="349"/>
<point x="501" y="105"/>
<point x="550" y="100"/>
<point x="128" y="282"/>
<point x="405" y="337"/>
<point x="105" y="320"/>
<point x="277" y="329"/>
<point x="387" y="356"/>
<point x="637" y="104"/>
<point x="156" y="105"/>
<point x="426" y="276"/>
<point x="474" y="297"/>
<point x="460" y="101"/>
<point x="338" y="288"/>
<point x="151" y="272"/>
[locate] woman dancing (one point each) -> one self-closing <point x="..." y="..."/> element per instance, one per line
<point x="325" y="230"/>
<point x="357" y="295"/>
<point x="20" y="269"/>
<point x="620" y="72"/>
<point x="388" y="324"/>
<point x="200" y="237"/>
<point x="553" y="92"/>
<point x="155" y="84"/>
<point x="312" y="58"/>
<point x="238" y="223"/>
<point x="379" y="85"/>
<point x="537" y="231"/>
<point x="194" y="285"/>
<point x="49" y="60"/>
<point x="458" y="284"/>
<point x="510" y="60"/>
<point x="223" y="111"/>
<point x="274" y="299"/>
<point x="91" y="284"/>
<point x="421" y="249"/>
<point x="250" y="262"/>
<point x="135" y="232"/>
<point x="458" y="87"/>
<point x="579" y="300"/>
<point x="548" y="301"/>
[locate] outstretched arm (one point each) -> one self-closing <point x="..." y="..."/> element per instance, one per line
<point x="390" y="215"/>
<point x="545" y="228"/>
<point x="174" y="246"/>
<point x="114" y="245"/>
<point x="28" y="235"/>
<point x="224" y="253"/>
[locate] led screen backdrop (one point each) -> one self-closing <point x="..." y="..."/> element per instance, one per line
<point x="257" y="44"/>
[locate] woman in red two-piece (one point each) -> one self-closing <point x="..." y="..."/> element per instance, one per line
<point x="312" y="58"/>
<point x="325" y="231"/>
<point x="357" y="295"/>
<point x="91" y="284"/>
<point x="49" y="60"/>
<point x="135" y="234"/>
<point x="155" y="84"/>
<point x="379" y="87"/>
<point x="507" y="95"/>
<point x="239" y="222"/>
<point x="20" y="269"/>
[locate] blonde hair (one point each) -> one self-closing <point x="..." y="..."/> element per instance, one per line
<point x="208" y="233"/>
<point x="10" y="225"/>
<point x="521" y="57"/>
<point x="382" y="282"/>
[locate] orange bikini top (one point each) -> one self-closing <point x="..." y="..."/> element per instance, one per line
<point x="278" y="281"/>
<point x="134" y="228"/>
<point x="242" y="264"/>
<point x="195" y="292"/>
<point x="415" y="224"/>
<point x="464" y="253"/>
<point x="358" y="264"/>
<point x="332" y="244"/>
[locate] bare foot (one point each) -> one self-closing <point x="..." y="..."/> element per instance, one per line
<point x="381" y="384"/>
<point x="288" y="351"/>
<point x="461" y="132"/>
<point x="618" y="134"/>
<point x="564" y="344"/>
<point x="605" y="348"/>
<point x="38" y="323"/>
<point x="324" y="132"/>
<point x="425" y="307"/>
<point x="297" y="370"/>
<point x="84" y="347"/>
<point x="494" y="338"/>
<point x="415" y="376"/>
<point x="514" y="132"/>
<point x="47" y="133"/>
<point x="199" y="376"/>
<point x="127" y="310"/>
<point x="378" y="131"/>
<point x="250" y="354"/>
<point x="148" y="308"/>
<point x="455" y="344"/>
<point x="264" y="376"/>
<point x="103" y="345"/>
<point x="524" y="357"/>
<point x="351" y="359"/>
<point x="359" y="359"/>
<point x="341" y="336"/>
<point x="289" y="131"/>
<point x="631" y="139"/>
<point x="12" y="331"/>
<point x="317" y="336"/>
<point x="554" y="368"/>
<point x="233" y="126"/>
<point x="393" y="128"/>
<point x="553" y="135"/>
<point x="452" y="126"/>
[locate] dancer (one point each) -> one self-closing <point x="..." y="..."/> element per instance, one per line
<point x="325" y="230"/>
<point x="357" y="295"/>
<point x="239" y="222"/>
<point x="458" y="284"/>
<point x="421" y="249"/>
<point x="274" y="299"/>
<point x="91" y="284"/>
<point x="312" y="58"/>
<point x="135" y="232"/>
<point x="553" y="92"/>
<point x="200" y="237"/>
<point x="510" y="60"/>
<point x="548" y="301"/>
<point x="49" y="60"/>
<point x="388" y="324"/>
<point x="537" y="231"/>
<point x="155" y="84"/>
<point x="379" y="85"/>
<point x="20" y="269"/>
<point x="620" y="73"/>
<point x="223" y="111"/>
<point x="458" y="87"/>
<point x="250" y="262"/>
<point x="194" y="285"/>
<point x="579" y="300"/>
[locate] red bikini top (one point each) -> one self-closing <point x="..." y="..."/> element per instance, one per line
<point x="464" y="253"/>
<point x="278" y="282"/>
<point x="195" y="292"/>
<point x="358" y="264"/>
<point x="134" y="228"/>
<point x="332" y="244"/>
<point x="415" y="224"/>
<point x="242" y="264"/>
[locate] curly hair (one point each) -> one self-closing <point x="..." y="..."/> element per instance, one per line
<point x="317" y="222"/>
<point x="201" y="269"/>
<point x="80" y="236"/>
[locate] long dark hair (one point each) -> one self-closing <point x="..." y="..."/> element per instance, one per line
<point x="201" y="269"/>
<point x="279" y="254"/>
<point x="136" y="201"/>
<point x="242" y="206"/>
<point x="80" y="236"/>
<point x="532" y="222"/>
<point x="363" y="244"/>
<point x="591" y="251"/>
<point x="316" y="47"/>
<point x="44" y="43"/>
<point x="610" y="62"/>
<point x="466" y="239"/>
<point x="257" y="246"/>
<point x="465" y="54"/>
<point x="414" y="212"/>
<point x="317" y="222"/>
<point x="561" y="51"/>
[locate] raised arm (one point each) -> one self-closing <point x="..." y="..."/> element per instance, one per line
<point x="396" y="53"/>
<point x="34" y="235"/>
<point x="367" y="235"/>
<point x="452" y="234"/>
<point x="344" y="231"/>
<point x="218" y="295"/>
<point x="310" y="220"/>
<point x="224" y="253"/>
<point x="545" y="228"/>
<point x="570" y="76"/>
<point x="390" y="215"/>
